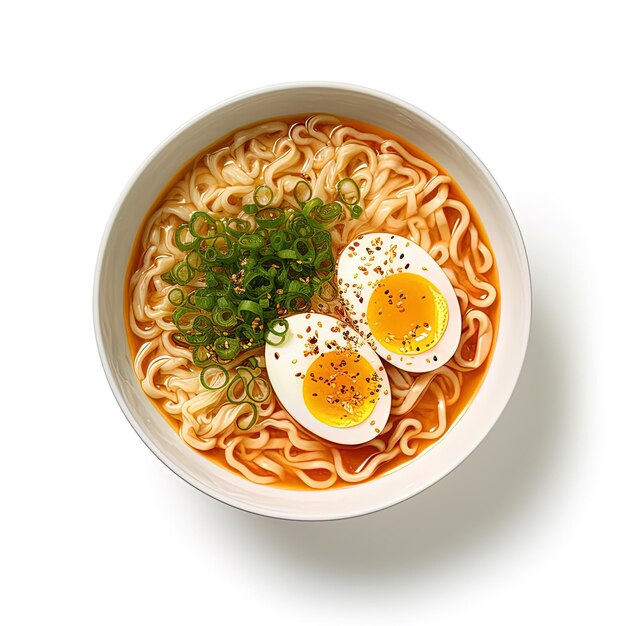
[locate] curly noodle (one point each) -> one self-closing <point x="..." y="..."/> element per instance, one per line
<point x="401" y="193"/>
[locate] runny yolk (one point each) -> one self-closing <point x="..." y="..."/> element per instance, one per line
<point x="341" y="388"/>
<point x="406" y="313"/>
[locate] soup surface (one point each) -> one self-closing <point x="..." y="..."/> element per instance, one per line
<point x="273" y="168"/>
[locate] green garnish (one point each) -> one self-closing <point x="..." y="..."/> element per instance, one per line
<point x="244" y="274"/>
<point x="248" y="273"/>
<point x="214" y="376"/>
<point x="302" y="192"/>
<point x="348" y="191"/>
<point x="247" y="421"/>
<point x="263" y="196"/>
<point x="320" y="215"/>
<point x="355" y="212"/>
<point x="270" y="218"/>
<point x="176" y="296"/>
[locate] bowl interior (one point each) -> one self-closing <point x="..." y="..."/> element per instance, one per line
<point x="417" y="128"/>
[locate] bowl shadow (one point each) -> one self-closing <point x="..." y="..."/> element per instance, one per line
<point x="493" y="494"/>
<point x="489" y="494"/>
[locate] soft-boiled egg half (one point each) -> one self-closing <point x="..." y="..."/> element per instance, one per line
<point x="400" y="300"/>
<point x="329" y="379"/>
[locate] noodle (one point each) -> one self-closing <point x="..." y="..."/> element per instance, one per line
<point x="402" y="192"/>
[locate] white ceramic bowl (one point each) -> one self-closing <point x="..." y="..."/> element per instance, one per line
<point x="416" y="127"/>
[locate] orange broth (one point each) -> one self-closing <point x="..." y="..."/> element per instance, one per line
<point x="353" y="457"/>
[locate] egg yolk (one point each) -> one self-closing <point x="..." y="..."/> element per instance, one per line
<point x="406" y="313"/>
<point x="341" y="388"/>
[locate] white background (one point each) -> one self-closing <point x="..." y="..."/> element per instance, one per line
<point x="95" y="530"/>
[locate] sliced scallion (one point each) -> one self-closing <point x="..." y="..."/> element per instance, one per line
<point x="258" y="389"/>
<point x="182" y="273"/>
<point x="270" y="218"/>
<point x="237" y="227"/>
<point x="214" y="376"/>
<point x="247" y="420"/>
<point x="237" y="392"/>
<point x="263" y="196"/>
<point x="356" y="211"/>
<point x="251" y="241"/>
<point x="184" y="238"/>
<point x="201" y="356"/>
<point x="302" y="192"/>
<point x="176" y="296"/>
<point x="348" y="191"/>
<point x="226" y="348"/>
<point x="202" y="225"/>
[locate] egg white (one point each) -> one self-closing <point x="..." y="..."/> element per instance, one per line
<point x="358" y="271"/>
<point x="287" y="363"/>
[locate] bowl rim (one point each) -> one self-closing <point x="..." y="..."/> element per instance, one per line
<point x="382" y="504"/>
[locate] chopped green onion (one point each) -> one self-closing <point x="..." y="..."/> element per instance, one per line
<point x="197" y="339"/>
<point x="270" y="218"/>
<point x="302" y="192"/>
<point x="355" y="212"/>
<point x="258" y="389"/>
<point x="294" y="303"/>
<point x="304" y="250"/>
<point x="183" y="318"/>
<point x="254" y="335"/>
<point x="224" y="317"/>
<point x="168" y="278"/>
<point x="202" y="225"/>
<point x="280" y="240"/>
<point x="237" y="227"/>
<point x="245" y="422"/>
<point x="304" y="289"/>
<point x="258" y="282"/>
<point x="279" y="326"/>
<point x="184" y="238"/>
<point x="226" y="348"/>
<point x="201" y="356"/>
<point x="179" y="339"/>
<point x="224" y="247"/>
<point x="237" y="392"/>
<point x="322" y="215"/>
<point x="249" y="306"/>
<point x="194" y="260"/>
<point x="182" y="273"/>
<point x="214" y="376"/>
<point x="249" y="272"/>
<point x="176" y="296"/>
<point x="245" y="373"/>
<point x="276" y="331"/>
<point x="324" y="264"/>
<point x="321" y="239"/>
<point x="263" y="196"/>
<point x="301" y="226"/>
<point x="348" y="191"/>
<point x="207" y="251"/>
<point x="252" y="241"/>
<point x="202" y="324"/>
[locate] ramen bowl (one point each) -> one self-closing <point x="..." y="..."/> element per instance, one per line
<point x="414" y="126"/>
